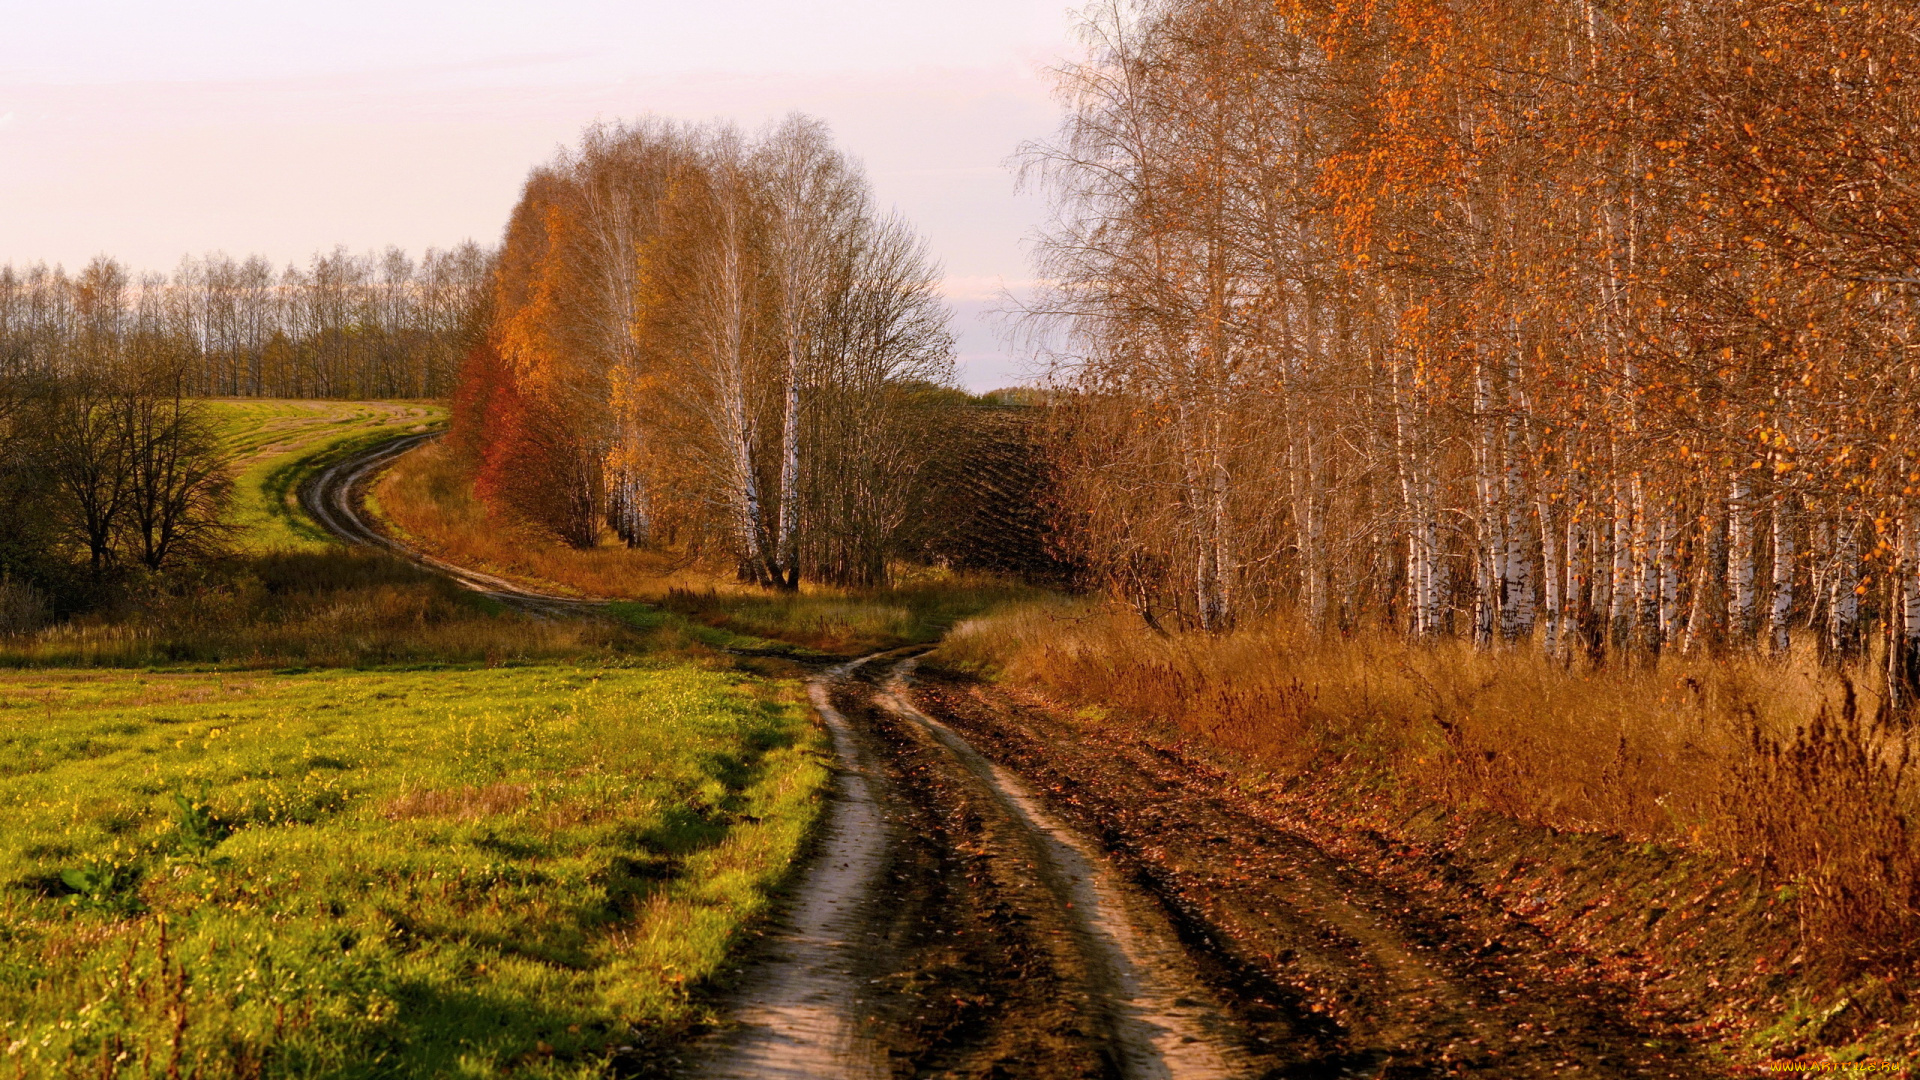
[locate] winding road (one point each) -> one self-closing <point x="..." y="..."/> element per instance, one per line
<point x="998" y="891"/>
<point x="808" y="1008"/>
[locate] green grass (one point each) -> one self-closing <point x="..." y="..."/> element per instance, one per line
<point x="842" y="622"/>
<point x="481" y="872"/>
<point x="277" y="444"/>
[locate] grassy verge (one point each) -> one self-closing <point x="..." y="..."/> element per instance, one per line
<point x="428" y="498"/>
<point x="395" y="873"/>
<point x="1762" y="800"/>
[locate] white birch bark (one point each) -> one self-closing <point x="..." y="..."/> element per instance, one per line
<point x="1517" y="600"/>
<point x="1490" y="570"/>
<point x="1666" y="557"/>
<point x="1843" y="605"/>
<point x="1621" y="579"/>
<point x="1740" y="562"/>
<point x="1517" y="607"/>
<point x="1422" y="574"/>
<point x="1778" y="634"/>
<point x="1907" y="618"/>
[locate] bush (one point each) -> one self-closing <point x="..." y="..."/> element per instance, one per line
<point x="23" y="610"/>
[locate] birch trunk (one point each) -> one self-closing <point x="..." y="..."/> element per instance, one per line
<point x="1740" y="570"/>
<point x="1421" y="572"/>
<point x="1669" y="581"/>
<point x="1706" y="553"/>
<point x="1620" y="580"/>
<point x="1490" y="563"/>
<point x="1781" y="608"/>
<point x="1517" y="606"/>
<point x="1903" y="651"/>
<point x="1843" y="606"/>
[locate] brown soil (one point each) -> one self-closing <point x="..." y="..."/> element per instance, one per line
<point x="1332" y="967"/>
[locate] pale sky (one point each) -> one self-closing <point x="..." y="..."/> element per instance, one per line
<point x="151" y="130"/>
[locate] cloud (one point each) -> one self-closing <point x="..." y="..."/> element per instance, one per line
<point x="984" y="286"/>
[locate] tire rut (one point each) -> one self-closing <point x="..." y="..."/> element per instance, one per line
<point x="992" y="940"/>
<point x="796" y="1017"/>
<point x="1150" y="1002"/>
<point x="1333" y="970"/>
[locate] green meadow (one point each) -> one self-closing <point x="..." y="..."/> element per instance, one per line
<point x="381" y="872"/>
<point x="316" y="813"/>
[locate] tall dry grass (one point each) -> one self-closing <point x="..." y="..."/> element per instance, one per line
<point x="1772" y="760"/>
<point x="427" y="496"/>
<point x="333" y="608"/>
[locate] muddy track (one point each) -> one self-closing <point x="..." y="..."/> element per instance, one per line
<point x="946" y="924"/>
<point x="1337" y="968"/>
<point x="953" y="926"/>
<point x="997" y="891"/>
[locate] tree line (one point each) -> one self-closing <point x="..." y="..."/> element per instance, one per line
<point x="710" y="341"/>
<point x="345" y="325"/>
<point x="1583" y="323"/>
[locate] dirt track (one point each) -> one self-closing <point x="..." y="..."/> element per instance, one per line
<point x="1000" y="892"/>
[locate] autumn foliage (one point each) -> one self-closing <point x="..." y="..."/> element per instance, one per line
<point x="1584" y="324"/>
<point x="713" y="345"/>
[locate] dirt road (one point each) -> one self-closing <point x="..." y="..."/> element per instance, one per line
<point x="1001" y="892"/>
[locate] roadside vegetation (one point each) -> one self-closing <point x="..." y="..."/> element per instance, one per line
<point x="1770" y="798"/>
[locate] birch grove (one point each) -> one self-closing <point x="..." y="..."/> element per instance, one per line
<point x="713" y="343"/>
<point x="1578" y="325"/>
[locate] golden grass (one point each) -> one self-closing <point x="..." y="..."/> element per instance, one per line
<point x="1772" y="760"/>
<point x="466" y="803"/>
<point x="427" y="497"/>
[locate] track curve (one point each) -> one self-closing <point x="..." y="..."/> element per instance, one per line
<point x="334" y="496"/>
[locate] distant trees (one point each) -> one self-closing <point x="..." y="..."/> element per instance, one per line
<point x="702" y="339"/>
<point x="1585" y="324"/>
<point x="344" y="326"/>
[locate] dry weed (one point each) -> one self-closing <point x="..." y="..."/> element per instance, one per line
<point x="465" y="803"/>
<point x="428" y="496"/>
<point x="1777" y="761"/>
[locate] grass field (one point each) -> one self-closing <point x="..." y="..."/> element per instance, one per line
<point x="308" y="810"/>
<point x="394" y="873"/>
<point x="277" y="443"/>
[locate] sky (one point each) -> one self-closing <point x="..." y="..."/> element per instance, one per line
<point x="151" y="131"/>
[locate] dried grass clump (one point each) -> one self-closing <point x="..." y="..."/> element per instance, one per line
<point x="23" y="609"/>
<point x="465" y="803"/>
<point x="1776" y="761"/>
